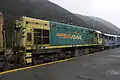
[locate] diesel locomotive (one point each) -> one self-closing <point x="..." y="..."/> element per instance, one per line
<point x="37" y="41"/>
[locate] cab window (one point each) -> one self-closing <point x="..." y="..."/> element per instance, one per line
<point x="95" y="35"/>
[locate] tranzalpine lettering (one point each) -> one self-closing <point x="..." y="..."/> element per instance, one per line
<point x="68" y="36"/>
<point x="63" y="35"/>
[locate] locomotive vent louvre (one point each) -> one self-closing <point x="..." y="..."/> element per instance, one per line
<point x="41" y="36"/>
<point x="36" y="23"/>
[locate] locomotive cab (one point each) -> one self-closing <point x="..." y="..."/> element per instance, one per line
<point x="98" y="37"/>
<point x="31" y="34"/>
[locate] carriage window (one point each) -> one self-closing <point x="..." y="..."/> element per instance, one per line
<point x="109" y="37"/>
<point x="100" y="35"/>
<point x="112" y="38"/>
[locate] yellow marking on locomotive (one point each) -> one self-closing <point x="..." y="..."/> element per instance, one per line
<point x="39" y="65"/>
<point x="69" y="36"/>
<point x="71" y="46"/>
<point x="28" y="54"/>
<point x="36" y="23"/>
<point x="63" y="35"/>
<point x="29" y="60"/>
<point x="53" y="47"/>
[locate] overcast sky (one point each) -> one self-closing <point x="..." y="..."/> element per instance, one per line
<point x="105" y="9"/>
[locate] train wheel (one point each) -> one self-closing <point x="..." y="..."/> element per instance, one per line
<point x="34" y="61"/>
<point x="68" y="54"/>
<point x="41" y="61"/>
<point x="55" y="57"/>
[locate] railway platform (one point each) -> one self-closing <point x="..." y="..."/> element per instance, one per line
<point x="104" y="65"/>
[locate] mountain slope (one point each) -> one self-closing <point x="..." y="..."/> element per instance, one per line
<point x="99" y="24"/>
<point x="108" y="24"/>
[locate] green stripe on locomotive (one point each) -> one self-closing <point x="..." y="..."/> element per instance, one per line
<point x="64" y="34"/>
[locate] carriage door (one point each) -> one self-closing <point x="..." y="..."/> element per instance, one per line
<point x="29" y="37"/>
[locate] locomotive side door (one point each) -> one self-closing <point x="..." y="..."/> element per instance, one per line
<point x="29" y="37"/>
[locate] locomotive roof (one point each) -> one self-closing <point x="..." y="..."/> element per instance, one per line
<point x="98" y="31"/>
<point x="33" y="19"/>
<point x="111" y="35"/>
<point x="71" y="25"/>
